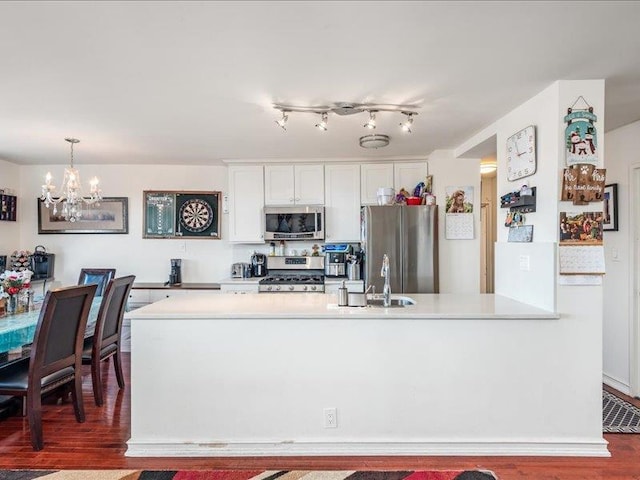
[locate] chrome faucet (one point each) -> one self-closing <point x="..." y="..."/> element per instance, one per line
<point x="386" y="290"/>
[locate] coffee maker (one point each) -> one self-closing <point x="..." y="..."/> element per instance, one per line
<point x="175" y="277"/>
<point x="335" y="262"/>
<point x="259" y="264"/>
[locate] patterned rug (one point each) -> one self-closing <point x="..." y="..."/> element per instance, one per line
<point x="244" y="475"/>
<point x="619" y="416"/>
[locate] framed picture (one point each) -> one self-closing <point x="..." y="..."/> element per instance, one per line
<point x="172" y="214"/>
<point x="110" y="215"/>
<point x="610" y="208"/>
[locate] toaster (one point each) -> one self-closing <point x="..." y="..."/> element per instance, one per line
<point x="240" y="270"/>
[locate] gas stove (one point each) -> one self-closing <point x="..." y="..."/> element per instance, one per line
<point x="293" y="274"/>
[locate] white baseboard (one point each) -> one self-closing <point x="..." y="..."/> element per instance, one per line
<point x="596" y="448"/>
<point x="617" y="384"/>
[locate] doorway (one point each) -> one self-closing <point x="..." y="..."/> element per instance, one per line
<point x="488" y="227"/>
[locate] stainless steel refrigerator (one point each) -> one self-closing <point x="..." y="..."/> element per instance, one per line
<point x="409" y="236"/>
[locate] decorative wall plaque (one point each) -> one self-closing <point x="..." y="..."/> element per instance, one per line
<point x="171" y="214"/>
<point x="582" y="184"/>
<point x="581" y="138"/>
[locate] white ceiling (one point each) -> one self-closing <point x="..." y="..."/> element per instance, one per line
<point x="194" y="82"/>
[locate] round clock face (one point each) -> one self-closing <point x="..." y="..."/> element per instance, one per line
<point x="196" y="215"/>
<point x="521" y="154"/>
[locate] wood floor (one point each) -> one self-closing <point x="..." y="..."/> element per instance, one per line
<point x="99" y="443"/>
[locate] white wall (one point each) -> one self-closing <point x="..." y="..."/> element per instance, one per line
<point x="209" y="260"/>
<point x="148" y="259"/>
<point x="10" y="231"/>
<point x="621" y="155"/>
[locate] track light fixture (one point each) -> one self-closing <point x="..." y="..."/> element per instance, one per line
<point x="345" y="109"/>
<point x="323" y="122"/>
<point x="406" y="125"/>
<point x="371" y="124"/>
<point x="283" y="121"/>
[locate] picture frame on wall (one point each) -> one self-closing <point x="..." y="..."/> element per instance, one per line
<point x="610" y="208"/>
<point x="110" y="216"/>
<point x="181" y="214"/>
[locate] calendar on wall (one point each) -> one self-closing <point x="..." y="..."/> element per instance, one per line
<point x="459" y="213"/>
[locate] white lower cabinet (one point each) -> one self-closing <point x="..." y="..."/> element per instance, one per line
<point x="342" y="203"/>
<point x="239" y="287"/>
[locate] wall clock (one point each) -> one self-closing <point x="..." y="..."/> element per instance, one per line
<point x="521" y="154"/>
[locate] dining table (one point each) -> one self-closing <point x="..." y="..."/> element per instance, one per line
<point x="17" y="331"/>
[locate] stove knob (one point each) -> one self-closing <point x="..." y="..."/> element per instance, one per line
<point x="304" y="288"/>
<point x="269" y="288"/>
<point x="277" y="287"/>
<point x="313" y="287"/>
<point x="291" y="287"/>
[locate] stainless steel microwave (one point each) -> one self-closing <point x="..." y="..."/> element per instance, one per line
<point x="294" y="223"/>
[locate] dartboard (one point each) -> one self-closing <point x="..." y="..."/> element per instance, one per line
<point x="196" y="215"/>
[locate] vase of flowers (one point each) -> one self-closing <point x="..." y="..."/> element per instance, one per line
<point x="11" y="284"/>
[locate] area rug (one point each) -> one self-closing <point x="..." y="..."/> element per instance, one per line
<point x="618" y="415"/>
<point x="244" y="475"/>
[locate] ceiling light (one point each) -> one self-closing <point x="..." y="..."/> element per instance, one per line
<point x="371" y="124"/>
<point x="283" y="121"/>
<point x="406" y="125"/>
<point x="488" y="165"/>
<point x="323" y="123"/>
<point x="70" y="195"/>
<point x="374" y="141"/>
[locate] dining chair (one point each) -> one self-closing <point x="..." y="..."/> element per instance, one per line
<point x="55" y="358"/>
<point x="107" y="336"/>
<point x="99" y="276"/>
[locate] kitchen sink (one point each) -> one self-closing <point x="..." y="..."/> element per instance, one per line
<point x="395" y="302"/>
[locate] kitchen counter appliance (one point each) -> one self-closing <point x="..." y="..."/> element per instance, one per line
<point x="259" y="264"/>
<point x="240" y="270"/>
<point x="293" y="274"/>
<point x="336" y="254"/>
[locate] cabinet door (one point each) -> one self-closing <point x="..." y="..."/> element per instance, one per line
<point x="246" y="202"/>
<point x="309" y="184"/>
<point x="374" y="176"/>
<point x="161" y="294"/>
<point x="408" y="175"/>
<point x="342" y="206"/>
<point x="279" y="185"/>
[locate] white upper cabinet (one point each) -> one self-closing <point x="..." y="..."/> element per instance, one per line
<point x="372" y="177"/>
<point x="342" y="203"/>
<point x="246" y="204"/>
<point x="408" y="175"/>
<point x="294" y="184"/>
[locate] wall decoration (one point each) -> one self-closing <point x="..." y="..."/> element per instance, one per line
<point x="581" y="228"/>
<point x="521" y="154"/>
<point x="583" y="183"/>
<point x="610" y="208"/>
<point x="581" y="139"/>
<point x="110" y="215"/>
<point x="459" y="213"/>
<point x="523" y="233"/>
<point x="176" y="214"/>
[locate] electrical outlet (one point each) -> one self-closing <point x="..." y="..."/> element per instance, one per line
<point x="330" y="418"/>
<point x="524" y="263"/>
<point x="183" y="246"/>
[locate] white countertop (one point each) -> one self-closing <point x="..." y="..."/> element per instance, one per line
<point x="321" y="305"/>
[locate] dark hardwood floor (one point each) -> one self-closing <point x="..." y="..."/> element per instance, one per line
<point x="99" y="443"/>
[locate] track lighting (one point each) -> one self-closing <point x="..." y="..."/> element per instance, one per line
<point x="371" y="124"/>
<point x="323" y="123"/>
<point x="283" y="121"/>
<point x="406" y="125"/>
<point x="344" y="109"/>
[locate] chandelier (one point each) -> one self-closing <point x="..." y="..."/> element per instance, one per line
<point x="344" y="109"/>
<point x="70" y="196"/>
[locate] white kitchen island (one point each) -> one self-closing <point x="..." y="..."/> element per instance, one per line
<point x="253" y="375"/>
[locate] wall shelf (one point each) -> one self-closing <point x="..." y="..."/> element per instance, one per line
<point x="519" y="203"/>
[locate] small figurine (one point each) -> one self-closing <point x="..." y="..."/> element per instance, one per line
<point x="316" y="250"/>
